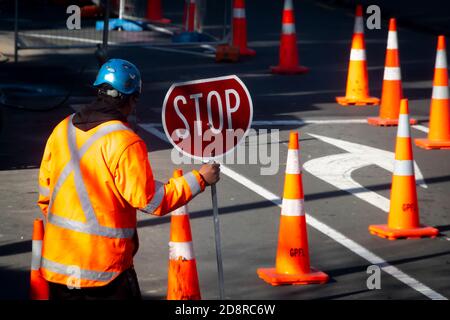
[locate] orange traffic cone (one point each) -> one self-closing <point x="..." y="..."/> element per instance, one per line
<point x="403" y="219"/>
<point x="391" y="93"/>
<point x="182" y="279"/>
<point x="357" y="91"/>
<point x="154" y="12"/>
<point x="38" y="285"/>
<point x="91" y="11"/>
<point x="190" y="15"/>
<point x="292" y="261"/>
<point x="288" y="44"/>
<point x="240" y="29"/>
<point x="439" y="134"/>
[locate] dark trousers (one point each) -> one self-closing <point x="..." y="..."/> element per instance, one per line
<point x="124" y="287"/>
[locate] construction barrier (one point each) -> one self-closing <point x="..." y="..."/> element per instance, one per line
<point x="289" y="62"/>
<point x="357" y="91"/>
<point x="292" y="261"/>
<point x="439" y="133"/>
<point x="38" y="285"/>
<point x="182" y="275"/>
<point x="392" y="92"/>
<point x="403" y="219"/>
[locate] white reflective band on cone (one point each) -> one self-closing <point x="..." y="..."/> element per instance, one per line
<point x="441" y="60"/>
<point x="288" y="5"/>
<point x="358" y="55"/>
<point x="440" y="92"/>
<point x="403" y="168"/>
<point x="359" y="25"/>
<point x="392" y="73"/>
<point x="36" y="254"/>
<point x="403" y="130"/>
<point x="293" y="163"/>
<point x="288" y="28"/>
<point x="392" y="42"/>
<point x="292" y="207"/>
<point x="181" y="211"/>
<point x="238" y="13"/>
<point x="185" y="250"/>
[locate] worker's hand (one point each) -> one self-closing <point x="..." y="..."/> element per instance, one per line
<point x="210" y="173"/>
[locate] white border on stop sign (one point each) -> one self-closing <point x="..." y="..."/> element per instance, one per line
<point x="178" y="84"/>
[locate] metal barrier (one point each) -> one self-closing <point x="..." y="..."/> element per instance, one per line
<point x="116" y="23"/>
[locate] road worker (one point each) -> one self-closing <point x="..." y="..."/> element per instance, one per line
<point x="94" y="174"/>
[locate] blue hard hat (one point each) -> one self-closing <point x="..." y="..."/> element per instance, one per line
<point x="122" y="75"/>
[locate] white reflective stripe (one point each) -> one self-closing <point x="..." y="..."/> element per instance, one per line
<point x="292" y="207"/>
<point x="192" y="181"/>
<point x="288" y="5"/>
<point x="84" y="274"/>
<point x="293" y="162"/>
<point x="239" y="13"/>
<point x="90" y="228"/>
<point x="36" y="252"/>
<point x="181" y="211"/>
<point x="80" y="187"/>
<point x="403" y="130"/>
<point x="45" y="191"/>
<point x="392" y="42"/>
<point x="359" y="25"/>
<point x="403" y="168"/>
<point x="440" y="92"/>
<point x="441" y="60"/>
<point x="358" y="55"/>
<point x="183" y="250"/>
<point x="288" y="28"/>
<point x="157" y="198"/>
<point x="392" y="73"/>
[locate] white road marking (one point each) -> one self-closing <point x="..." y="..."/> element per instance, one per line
<point x="299" y="122"/>
<point x="420" y="128"/>
<point x="194" y="53"/>
<point x="325" y="229"/>
<point x="55" y="37"/>
<point x="337" y="169"/>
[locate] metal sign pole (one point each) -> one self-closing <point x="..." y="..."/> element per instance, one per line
<point x="16" y="30"/>
<point x="121" y="9"/>
<point x="218" y="244"/>
<point x="106" y="26"/>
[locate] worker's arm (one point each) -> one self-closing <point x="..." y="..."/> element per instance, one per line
<point x="134" y="179"/>
<point x="179" y="191"/>
<point x="44" y="178"/>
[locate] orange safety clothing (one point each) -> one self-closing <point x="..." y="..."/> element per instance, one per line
<point x="90" y="185"/>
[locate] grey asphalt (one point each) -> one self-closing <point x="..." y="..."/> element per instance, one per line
<point x="249" y="223"/>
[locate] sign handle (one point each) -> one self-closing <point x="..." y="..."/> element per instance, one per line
<point x="217" y="236"/>
<point x="218" y="244"/>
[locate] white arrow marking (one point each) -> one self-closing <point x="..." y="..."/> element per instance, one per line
<point x="337" y="169"/>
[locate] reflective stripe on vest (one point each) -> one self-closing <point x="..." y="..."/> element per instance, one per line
<point x="83" y="274"/>
<point x="44" y="191"/>
<point x="158" y="197"/>
<point x="91" y="226"/>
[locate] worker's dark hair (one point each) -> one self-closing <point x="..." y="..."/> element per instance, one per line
<point x="110" y="96"/>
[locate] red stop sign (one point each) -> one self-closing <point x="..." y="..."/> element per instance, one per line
<point x="207" y="117"/>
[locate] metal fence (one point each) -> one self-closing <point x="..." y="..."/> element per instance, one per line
<point x="47" y="24"/>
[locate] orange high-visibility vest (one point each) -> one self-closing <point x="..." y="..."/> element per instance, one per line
<point x="90" y="184"/>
